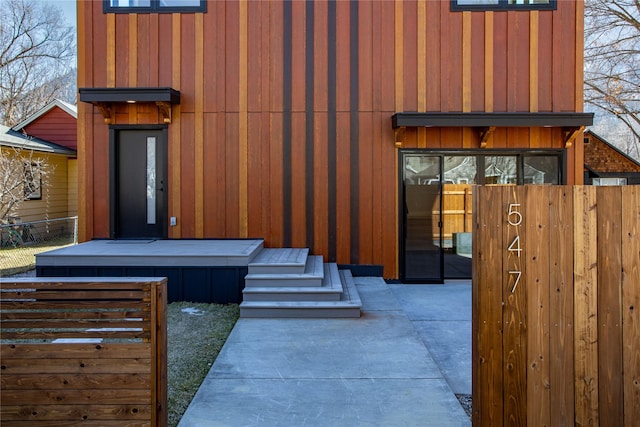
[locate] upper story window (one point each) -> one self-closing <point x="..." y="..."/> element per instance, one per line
<point x="154" y="6"/>
<point x="457" y="5"/>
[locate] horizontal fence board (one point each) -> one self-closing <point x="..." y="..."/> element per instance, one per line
<point x="87" y="396"/>
<point x="75" y="305"/>
<point x="35" y="413"/>
<point x="75" y="283"/>
<point x="74" y="324"/>
<point x="580" y="286"/>
<point x="76" y="294"/>
<point x="82" y="423"/>
<point x="75" y="381"/>
<point x="65" y="315"/>
<point x="99" y="334"/>
<point x="74" y="350"/>
<point x="75" y="366"/>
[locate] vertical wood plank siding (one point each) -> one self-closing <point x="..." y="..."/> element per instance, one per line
<point x="283" y="130"/>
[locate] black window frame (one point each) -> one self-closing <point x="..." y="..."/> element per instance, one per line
<point x="482" y="153"/>
<point x="502" y="5"/>
<point x="154" y="7"/>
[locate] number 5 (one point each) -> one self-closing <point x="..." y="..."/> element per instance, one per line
<point x="513" y="211"/>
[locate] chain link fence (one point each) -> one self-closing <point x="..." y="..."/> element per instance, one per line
<point x="20" y="242"/>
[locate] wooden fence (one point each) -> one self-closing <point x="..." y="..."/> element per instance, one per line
<point x="556" y="306"/>
<point x="83" y="351"/>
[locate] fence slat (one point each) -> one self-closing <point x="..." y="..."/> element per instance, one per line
<point x="561" y="307"/>
<point x="66" y="315"/>
<point x="514" y="314"/>
<point x="536" y="256"/>
<point x="631" y="303"/>
<point x="75" y="381"/>
<point x="84" y="365"/>
<point x="86" y="396"/>
<point x="586" y="305"/>
<point x="69" y="350"/>
<point x="35" y="413"/>
<point x="487" y="382"/>
<point x="610" y="396"/>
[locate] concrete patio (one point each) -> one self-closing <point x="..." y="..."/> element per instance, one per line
<point x="398" y="365"/>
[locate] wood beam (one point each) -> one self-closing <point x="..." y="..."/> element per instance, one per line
<point x="569" y="134"/>
<point x="399" y="136"/>
<point x="485" y="134"/>
<point x="165" y="109"/>
<point x="105" y="110"/>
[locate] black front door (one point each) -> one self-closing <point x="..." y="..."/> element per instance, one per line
<point x="139" y="184"/>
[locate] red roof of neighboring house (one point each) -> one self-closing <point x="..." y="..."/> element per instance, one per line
<point x="56" y="122"/>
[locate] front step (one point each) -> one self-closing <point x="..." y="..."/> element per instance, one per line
<point x="331" y="290"/>
<point x="312" y="276"/>
<point x="348" y="306"/>
<point x="279" y="261"/>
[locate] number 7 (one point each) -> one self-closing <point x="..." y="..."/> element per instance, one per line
<point x="518" y="275"/>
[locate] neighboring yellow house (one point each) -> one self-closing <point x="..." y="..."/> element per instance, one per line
<point x="57" y="197"/>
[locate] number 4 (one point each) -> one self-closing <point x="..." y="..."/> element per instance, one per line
<point x="515" y="246"/>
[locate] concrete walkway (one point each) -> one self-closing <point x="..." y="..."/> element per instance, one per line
<point x="373" y="371"/>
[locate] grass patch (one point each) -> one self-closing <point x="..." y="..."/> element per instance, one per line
<point x="23" y="258"/>
<point x="196" y="334"/>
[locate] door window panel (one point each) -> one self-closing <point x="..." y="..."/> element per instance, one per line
<point x="151" y="180"/>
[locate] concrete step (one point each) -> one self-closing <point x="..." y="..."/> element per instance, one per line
<point x="331" y="290"/>
<point x="312" y="276"/>
<point x="279" y="260"/>
<point x="348" y="306"/>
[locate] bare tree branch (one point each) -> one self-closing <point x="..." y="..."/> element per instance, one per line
<point x="37" y="57"/>
<point x="612" y="61"/>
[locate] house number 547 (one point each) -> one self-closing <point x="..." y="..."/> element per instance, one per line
<point x="514" y="217"/>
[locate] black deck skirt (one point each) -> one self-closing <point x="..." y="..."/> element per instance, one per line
<point x="220" y="285"/>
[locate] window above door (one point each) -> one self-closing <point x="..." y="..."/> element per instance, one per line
<point x="154" y="6"/>
<point x="480" y="5"/>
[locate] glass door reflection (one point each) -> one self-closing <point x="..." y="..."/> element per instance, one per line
<point x="423" y="260"/>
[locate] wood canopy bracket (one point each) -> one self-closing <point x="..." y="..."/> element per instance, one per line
<point x="105" y="110"/>
<point x="485" y="134"/>
<point x="165" y="109"/>
<point x="106" y="98"/>
<point x="399" y="136"/>
<point x="569" y="134"/>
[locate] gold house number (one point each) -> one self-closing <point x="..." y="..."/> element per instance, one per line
<point x="514" y="217"/>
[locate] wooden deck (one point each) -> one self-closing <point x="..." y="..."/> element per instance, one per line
<point x="210" y="271"/>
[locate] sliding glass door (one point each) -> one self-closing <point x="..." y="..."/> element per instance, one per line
<point x="436" y="203"/>
<point x="422" y="236"/>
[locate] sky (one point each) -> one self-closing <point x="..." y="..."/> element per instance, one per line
<point x="68" y="8"/>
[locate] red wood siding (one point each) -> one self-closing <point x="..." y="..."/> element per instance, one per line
<point x="284" y="126"/>
<point x="55" y="126"/>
